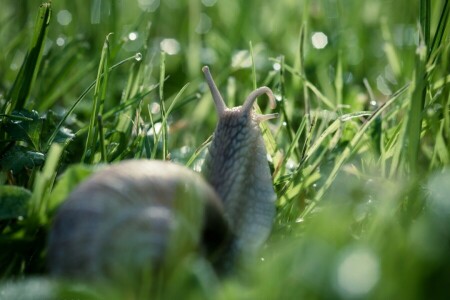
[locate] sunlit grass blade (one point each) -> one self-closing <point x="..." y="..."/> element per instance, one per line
<point x="416" y="106"/>
<point x="23" y="84"/>
<point x="164" y="129"/>
<point x="320" y="96"/>
<point x="268" y="138"/>
<point x="339" y="82"/>
<point x="441" y="28"/>
<point x="98" y="101"/>
<point x="161" y="134"/>
<point x="43" y="185"/>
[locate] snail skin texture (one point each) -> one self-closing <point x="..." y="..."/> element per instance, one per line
<point x="141" y="215"/>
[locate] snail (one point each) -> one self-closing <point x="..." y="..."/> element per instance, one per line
<point x="142" y="215"/>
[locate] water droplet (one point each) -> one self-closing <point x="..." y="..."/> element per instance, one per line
<point x="132" y="36"/>
<point x="138" y="56"/>
<point x="276" y="66"/>
<point x="291" y="164"/>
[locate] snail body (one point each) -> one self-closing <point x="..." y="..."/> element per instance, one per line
<point x="141" y="215"/>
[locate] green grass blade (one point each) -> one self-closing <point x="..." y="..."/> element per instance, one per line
<point x="81" y="97"/>
<point x="97" y="105"/>
<point x="255" y="85"/>
<point x="23" y="84"/>
<point x="43" y="185"/>
<point x="348" y="151"/>
<point x="417" y="104"/>
<point x="164" y="121"/>
<point x="162" y="104"/>
<point x="101" y="138"/>
<point x="441" y="28"/>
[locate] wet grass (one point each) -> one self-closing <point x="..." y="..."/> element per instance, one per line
<point x="359" y="153"/>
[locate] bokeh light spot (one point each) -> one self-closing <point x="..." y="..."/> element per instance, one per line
<point x="170" y="46"/>
<point x="148" y="5"/>
<point x="64" y="17"/>
<point x="209" y="3"/>
<point x="132" y="36"/>
<point x="60" y="41"/>
<point x="204" y="24"/>
<point x="357" y="273"/>
<point x="319" y="40"/>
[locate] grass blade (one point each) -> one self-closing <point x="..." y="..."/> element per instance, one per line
<point x="23" y="84"/>
<point x="99" y="98"/>
<point x="348" y="151"/>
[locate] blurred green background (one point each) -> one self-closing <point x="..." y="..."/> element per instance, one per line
<point x="217" y="33"/>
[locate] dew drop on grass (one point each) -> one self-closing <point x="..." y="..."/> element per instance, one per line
<point x="138" y="56"/>
<point x="132" y="36"/>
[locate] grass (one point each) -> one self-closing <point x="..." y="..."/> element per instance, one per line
<point x="360" y="152"/>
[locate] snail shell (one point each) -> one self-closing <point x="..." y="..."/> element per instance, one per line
<point x="151" y="205"/>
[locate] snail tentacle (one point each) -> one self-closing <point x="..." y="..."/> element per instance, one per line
<point x="218" y="100"/>
<point x="248" y="104"/>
